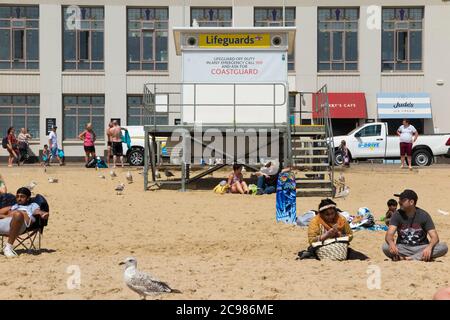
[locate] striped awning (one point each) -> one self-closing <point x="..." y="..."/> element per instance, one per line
<point x="404" y="105"/>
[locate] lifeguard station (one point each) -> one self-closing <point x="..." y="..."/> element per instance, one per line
<point x="232" y="107"/>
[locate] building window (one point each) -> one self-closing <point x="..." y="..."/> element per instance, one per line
<point x="273" y="17"/>
<point x="211" y="17"/>
<point x="337" y="45"/>
<point x="19" y="37"/>
<point x="402" y="39"/>
<point x="20" y="112"/>
<point x="137" y="115"/>
<point x="83" y="40"/>
<point x="80" y="110"/>
<point x="148" y="30"/>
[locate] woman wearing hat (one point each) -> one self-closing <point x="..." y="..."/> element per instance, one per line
<point x="328" y="224"/>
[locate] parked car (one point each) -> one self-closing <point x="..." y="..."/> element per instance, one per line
<point x="371" y="141"/>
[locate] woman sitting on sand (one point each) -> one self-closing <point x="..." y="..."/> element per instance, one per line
<point x="236" y="180"/>
<point x="328" y="224"/>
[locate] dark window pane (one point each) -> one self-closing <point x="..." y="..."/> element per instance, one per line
<point x="351" y="66"/>
<point x="84" y="45"/>
<point x="97" y="66"/>
<point x="32" y="44"/>
<point x="19" y="100"/>
<point x="351" y="46"/>
<point x="324" y="46"/>
<point x="324" y="66"/>
<point x="133" y="66"/>
<point x="5" y="12"/>
<point x="18" y="43"/>
<point x="337" y="46"/>
<point x="147" y="43"/>
<point x="337" y="66"/>
<point x="161" y="46"/>
<point x="415" y="66"/>
<point x="134" y="45"/>
<point x="5" y="100"/>
<point x="416" y="45"/>
<point x="69" y="45"/>
<point x="32" y="12"/>
<point x="402" y="45"/>
<point x="388" y="46"/>
<point x="98" y="124"/>
<point x="4" y="44"/>
<point x="33" y="126"/>
<point x="70" y="127"/>
<point x="97" y="46"/>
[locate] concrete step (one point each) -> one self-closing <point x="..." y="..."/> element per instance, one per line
<point x="297" y="164"/>
<point x="296" y="140"/>
<point x="315" y="156"/>
<point x="300" y="181"/>
<point x="314" y="172"/>
<point x="314" y="192"/>
<point x="310" y="149"/>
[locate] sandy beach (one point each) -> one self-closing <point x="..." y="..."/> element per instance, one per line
<point x="212" y="246"/>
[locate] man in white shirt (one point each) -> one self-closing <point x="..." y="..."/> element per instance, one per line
<point x="16" y="219"/>
<point x="53" y="145"/>
<point x="408" y="135"/>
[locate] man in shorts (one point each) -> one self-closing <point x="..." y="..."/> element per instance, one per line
<point x="408" y="135"/>
<point x="14" y="220"/>
<point x="53" y="145"/>
<point x="116" y="142"/>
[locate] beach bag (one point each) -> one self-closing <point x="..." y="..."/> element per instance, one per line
<point x="5" y="142"/>
<point x="221" y="188"/>
<point x="332" y="249"/>
<point x="60" y="153"/>
<point x="91" y="163"/>
<point x="101" y="164"/>
<point x="253" y="189"/>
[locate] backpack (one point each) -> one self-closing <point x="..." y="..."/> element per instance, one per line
<point x="91" y="163"/>
<point x="221" y="188"/>
<point x="101" y="164"/>
<point x="43" y="205"/>
<point x="5" y="142"/>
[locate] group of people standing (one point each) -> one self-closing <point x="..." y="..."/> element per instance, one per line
<point x="18" y="146"/>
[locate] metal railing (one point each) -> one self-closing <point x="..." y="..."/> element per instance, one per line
<point x="176" y="102"/>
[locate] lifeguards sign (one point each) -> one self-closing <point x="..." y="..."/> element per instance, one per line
<point x="227" y="40"/>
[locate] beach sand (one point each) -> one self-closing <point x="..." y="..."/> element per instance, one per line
<point x="213" y="246"/>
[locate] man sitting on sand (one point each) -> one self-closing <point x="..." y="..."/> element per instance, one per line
<point x="412" y="225"/>
<point x="267" y="178"/>
<point x="16" y="219"/>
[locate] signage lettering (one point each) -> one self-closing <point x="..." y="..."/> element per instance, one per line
<point x="234" y="40"/>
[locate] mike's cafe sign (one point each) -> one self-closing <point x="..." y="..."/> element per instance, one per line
<point x="225" y="40"/>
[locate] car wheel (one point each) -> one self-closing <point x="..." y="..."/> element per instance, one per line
<point x="422" y="158"/>
<point x="338" y="158"/>
<point x="136" y="157"/>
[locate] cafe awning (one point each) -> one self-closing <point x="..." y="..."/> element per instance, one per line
<point x="345" y="106"/>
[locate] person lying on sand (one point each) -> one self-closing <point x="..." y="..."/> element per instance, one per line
<point x="16" y="219"/>
<point x="412" y="225"/>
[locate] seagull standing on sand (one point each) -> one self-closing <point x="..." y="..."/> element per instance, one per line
<point x="31" y="185"/>
<point x="129" y="177"/>
<point x="112" y="174"/>
<point x="142" y="283"/>
<point x="119" y="188"/>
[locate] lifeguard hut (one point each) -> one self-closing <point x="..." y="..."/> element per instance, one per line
<point x="232" y="107"/>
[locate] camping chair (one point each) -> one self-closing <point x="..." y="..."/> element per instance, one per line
<point x="34" y="232"/>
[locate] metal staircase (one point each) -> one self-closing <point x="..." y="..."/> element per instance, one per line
<point x="312" y="151"/>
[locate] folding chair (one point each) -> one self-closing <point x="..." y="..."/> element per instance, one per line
<point x="34" y="232"/>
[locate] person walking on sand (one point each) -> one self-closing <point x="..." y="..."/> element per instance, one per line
<point x="23" y="139"/>
<point x="53" y="145"/>
<point x="408" y="135"/>
<point x="88" y="136"/>
<point x="417" y="238"/>
<point x="109" y="143"/>
<point x="116" y="142"/>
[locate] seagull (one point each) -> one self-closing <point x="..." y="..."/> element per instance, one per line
<point x="52" y="180"/>
<point x="112" y="174"/>
<point x="168" y="174"/>
<point x="31" y="185"/>
<point x="102" y="176"/>
<point x="129" y="177"/>
<point x="195" y="23"/>
<point x="141" y="283"/>
<point x="119" y="188"/>
<point x="344" y="193"/>
<point x="341" y="180"/>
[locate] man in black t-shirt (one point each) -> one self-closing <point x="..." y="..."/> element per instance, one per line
<point x="413" y="226"/>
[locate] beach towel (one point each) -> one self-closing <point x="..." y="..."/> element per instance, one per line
<point x="303" y="220"/>
<point x="126" y="139"/>
<point x="286" y="198"/>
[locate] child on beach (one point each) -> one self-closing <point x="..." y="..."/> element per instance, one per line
<point x="392" y="207"/>
<point x="344" y="150"/>
<point x="46" y="156"/>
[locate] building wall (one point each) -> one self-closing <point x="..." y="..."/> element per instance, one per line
<point x="115" y="82"/>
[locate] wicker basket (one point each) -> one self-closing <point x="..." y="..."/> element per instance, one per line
<point x="336" y="251"/>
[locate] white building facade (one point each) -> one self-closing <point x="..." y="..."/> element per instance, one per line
<point x="74" y="62"/>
